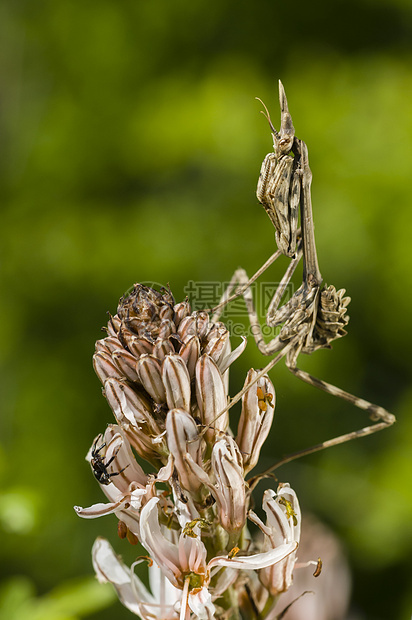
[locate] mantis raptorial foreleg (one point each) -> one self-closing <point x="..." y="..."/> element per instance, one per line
<point x="240" y="285"/>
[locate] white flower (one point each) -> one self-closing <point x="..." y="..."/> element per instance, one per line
<point x="282" y="527"/>
<point x="159" y="603"/>
<point x="183" y="561"/>
<point x="226" y="483"/>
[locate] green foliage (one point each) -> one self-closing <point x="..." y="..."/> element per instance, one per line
<point x="130" y="148"/>
<point x="73" y="600"/>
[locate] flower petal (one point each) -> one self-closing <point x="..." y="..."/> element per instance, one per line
<point x="163" y="551"/>
<point x="110" y="569"/>
<point x="174" y="560"/>
<point x="99" y="510"/>
<point x="259" y="560"/>
<point x="229" y="358"/>
<point x="200" y="602"/>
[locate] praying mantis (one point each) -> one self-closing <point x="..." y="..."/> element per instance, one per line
<point x="315" y="315"/>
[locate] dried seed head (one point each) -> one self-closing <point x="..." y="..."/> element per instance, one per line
<point x="144" y="309"/>
<point x="148" y="364"/>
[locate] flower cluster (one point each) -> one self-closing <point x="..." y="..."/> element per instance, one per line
<point x="164" y="370"/>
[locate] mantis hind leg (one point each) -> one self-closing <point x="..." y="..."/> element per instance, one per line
<point x="376" y="412"/>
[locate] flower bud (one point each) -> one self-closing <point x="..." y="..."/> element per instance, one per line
<point x="176" y="382"/>
<point x="190" y="353"/>
<point x="230" y="485"/>
<point x="126" y="362"/>
<point x="182" y="439"/>
<point x="211" y="396"/>
<point x="104" y="367"/>
<point x="126" y="403"/>
<point x="258" y="407"/>
<point x="149" y="371"/>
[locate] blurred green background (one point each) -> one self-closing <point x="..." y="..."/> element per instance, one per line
<point x="130" y="148"/>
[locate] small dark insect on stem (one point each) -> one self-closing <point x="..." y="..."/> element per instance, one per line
<point x="99" y="467"/>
